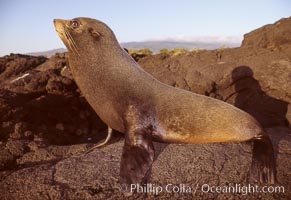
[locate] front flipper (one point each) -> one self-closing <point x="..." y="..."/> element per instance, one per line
<point x="137" y="156"/>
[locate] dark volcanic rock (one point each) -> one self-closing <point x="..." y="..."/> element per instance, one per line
<point x="46" y="124"/>
<point x="40" y="109"/>
<point x="57" y="61"/>
<point x="271" y="36"/>
<point x="15" y="64"/>
<point x="137" y="57"/>
<point x="95" y="175"/>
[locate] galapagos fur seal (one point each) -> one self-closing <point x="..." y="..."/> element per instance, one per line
<point x="133" y="102"/>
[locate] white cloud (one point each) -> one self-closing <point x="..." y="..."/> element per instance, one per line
<point x="208" y="39"/>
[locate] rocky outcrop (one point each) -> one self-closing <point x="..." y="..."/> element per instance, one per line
<point x="255" y="80"/>
<point x="15" y="64"/>
<point x="272" y="36"/>
<point x="40" y="109"/>
<point x="46" y="124"/>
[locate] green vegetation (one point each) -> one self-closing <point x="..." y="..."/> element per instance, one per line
<point x="178" y="51"/>
<point x="175" y="51"/>
<point x="164" y="51"/>
<point x="197" y="49"/>
<point x="144" y="51"/>
<point x="222" y="47"/>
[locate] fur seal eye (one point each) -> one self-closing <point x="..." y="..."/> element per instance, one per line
<point x="75" y="24"/>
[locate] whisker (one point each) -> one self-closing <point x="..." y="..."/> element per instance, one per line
<point x="70" y="43"/>
<point x="69" y="40"/>
<point x="73" y="42"/>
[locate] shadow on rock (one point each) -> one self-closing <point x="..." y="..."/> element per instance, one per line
<point x="252" y="99"/>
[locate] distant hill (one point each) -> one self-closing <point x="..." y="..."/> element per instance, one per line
<point x="47" y="53"/>
<point x="155" y="46"/>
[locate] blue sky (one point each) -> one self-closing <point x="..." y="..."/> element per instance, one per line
<point x="27" y="25"/>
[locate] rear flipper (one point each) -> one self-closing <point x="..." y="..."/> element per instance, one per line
<point x="263" y="167"/>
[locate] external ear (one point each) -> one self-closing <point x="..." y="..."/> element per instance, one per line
<point x="94" y="33"/>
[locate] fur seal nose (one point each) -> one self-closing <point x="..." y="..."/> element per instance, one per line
<point x="56" y="21"/>
<point x="59" y="25"/>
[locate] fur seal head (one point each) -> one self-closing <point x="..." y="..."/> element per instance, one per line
<point x="82" y="34"/>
